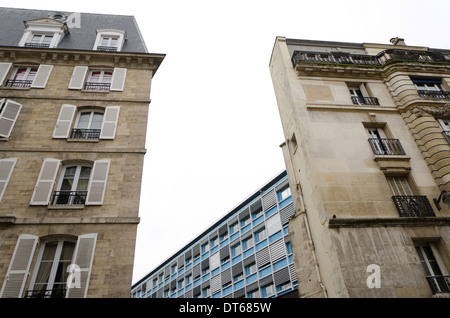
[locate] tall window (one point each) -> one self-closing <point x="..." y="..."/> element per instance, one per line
<point x="88" y="125"/>
<point x="108" y="44"/>
<point x="99" y="80"/>
<point x="51" y="276"/>
<point x="284" y="193"/>
<point x="438" y="282"/>
<point x="73" y="186"/>
<point x="445" y="124"/>
<point x="40" y="41"/>
<point x="22" y="77"/>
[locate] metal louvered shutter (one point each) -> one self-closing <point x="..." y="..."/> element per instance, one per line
<point x="293" y="272"/>
<point x="282" y="276"/>
<point x="286" y="213"/>
<point x="226" y="276"/>
<point x="215" y="284"/>
<point x="273" y="224"/>
<point x="262" y="257"/>
<point x="277" y="250"/>
<point x="269" y="200"/>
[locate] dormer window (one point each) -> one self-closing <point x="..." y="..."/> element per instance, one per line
<point x="109" y="40"/>
<point x="43" y="33"/>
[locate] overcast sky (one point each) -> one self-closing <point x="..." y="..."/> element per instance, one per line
<point x="214" y="130"/>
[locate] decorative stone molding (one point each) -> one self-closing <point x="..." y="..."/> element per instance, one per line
<point x="431" y="110"/>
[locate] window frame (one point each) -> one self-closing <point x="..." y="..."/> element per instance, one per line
<point x="120" y="35"/>
<point x="76" y="179"/>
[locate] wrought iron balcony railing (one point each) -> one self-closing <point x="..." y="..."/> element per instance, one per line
<point x="89" y="86"/>
<point x="434" y="94"/>
<point x="85" y="134"/>
<point x="38" y="293"/>
<point x="371" y="60"/>
<point x="413" y="205"/>
<point x="18" y="83"/>
<point x="386" y="146"/>
<point x="365" y="100"/>
<point x="37" y="45"/>
<point x="69" y="198"/>
<point x="439" y="284"/>
<point x="107" y="48"/>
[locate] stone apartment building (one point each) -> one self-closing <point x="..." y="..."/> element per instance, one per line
<point x="368" y="158"/>
<point x="74" y="98"/>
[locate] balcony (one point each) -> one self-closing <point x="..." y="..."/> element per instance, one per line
<point x="38" y="293"/>
<point x="439" y="284"/>
<point x="85" y="134"/>
<point x="386" y="146"/>
<point x="89" y="86"/>
<point x="38" y="45"/>
<point x="18" y="83"/>
<point x="69" y="198"/>
<point x="434" y="94"/>
<point x="365" y="100"/>
<point x="107" y="48"/>
<point x="413" y="206"/>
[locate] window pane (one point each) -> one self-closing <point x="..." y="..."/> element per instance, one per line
<point x="97" y="121"/>
<point x="84" y="179"/>
<point x="107" y="76"/>
<point x="83" y="122"/>
<point x="69" y="176"/>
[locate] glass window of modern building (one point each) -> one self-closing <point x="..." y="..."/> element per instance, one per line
<point x="245" y="254"/>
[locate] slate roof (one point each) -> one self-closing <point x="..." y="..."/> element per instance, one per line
<point x="80" y="38"/>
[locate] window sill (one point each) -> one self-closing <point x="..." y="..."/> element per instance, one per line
<point x="66" y="207"/>
<point x="393" y="163"/>
<point x="106" y="91"/>
<point x="83" y="140"/>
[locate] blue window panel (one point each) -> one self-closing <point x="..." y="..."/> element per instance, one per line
<point x="223" y="243"/>
<point x="271" y="211"/>
<point x="251" y="278"/>
<point x="275" y="236"/>
<point x="216" y="271"/>
<point x="197" y="282"/>
<point x="188" y="266"/>
<point x="189" y="287"/>
<point x="181" y="271"/>
<point x="174" y="276"/>
<point x="196" y="261"/>
<point x="286" y="230"/>
<point x="225" y="265"/>
<point x="248" y="252"/>
<point x="180" y="292"/>
<point x="239" y="285"/>
<point x="205" y="255"/>
<point x="279" y="264"/>
<point x="217" y="295"/>
<point x="264" y="272"/>
<point x="234" y="236"/>
<point x="258" y="220"/>
<point x="206" y="277"/>
<point x="236" y="259"/>
<point x="260" y="245"/>
<point x="246" y="228"/>
<point x="215" y="248"/>
<point x="227" y="290"/>
<point x="291" y="259"/>
<point x="285" y="202"/>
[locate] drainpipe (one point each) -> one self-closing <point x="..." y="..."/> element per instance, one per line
<point x="303" y="211"/>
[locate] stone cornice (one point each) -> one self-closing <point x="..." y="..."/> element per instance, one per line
<point x="384" y="222"/>
<point x="53" y="56"/>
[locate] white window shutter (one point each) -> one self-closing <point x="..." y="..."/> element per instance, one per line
<point x="97" y="182"/>
<point x="19" y="267"/>
<point x="4" y="70"/>
<point x="83" y="257"/>
<point x="6" y="169"/>
<point x="118" y="79"/>
<point x="45" y="182"/>
<point x="109" y="124"/>
<point x="8" y="117"/>
<point x="42" y="75"/>
<point x="78" y="76"/>
<point x="64" y="122"/>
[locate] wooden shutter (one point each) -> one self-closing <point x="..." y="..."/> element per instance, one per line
<point x="45" y="182"/>
<point x="4" y="70"/>
<point x="42" y="75"/>
<point x="19" y="266"/>
<point x="109" y="125"/>
<point x="83" y="257"/>
<point x="64" y="122"/>
<point x="78" y="76"/>
<point x="8" y="117"/>
<point x="97" y="182"/>
<point x="118" y="79"/>
<point x="6" y="169"/>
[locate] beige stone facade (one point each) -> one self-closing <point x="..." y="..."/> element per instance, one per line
<point x="366" y="153"/>
<point x="100" y="222"/>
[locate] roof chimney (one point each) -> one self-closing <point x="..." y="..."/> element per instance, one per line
<point x="398" y="41"/>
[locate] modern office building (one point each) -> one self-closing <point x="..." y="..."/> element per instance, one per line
<point x="245" y="254"/>
<point x="74" y="98"/>
<point x="367" y="153"/>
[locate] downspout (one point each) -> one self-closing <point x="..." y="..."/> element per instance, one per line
<point x="303" y="211"/>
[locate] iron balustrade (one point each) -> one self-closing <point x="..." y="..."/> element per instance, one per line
<point x="87" y="134"/>
<point x="89" y="86"/>
<point x="38" y="45"/>
<point x="365" y="100"/>
<point x="69" y="198"/>
<point x="386" y="146"/>
<point x="107" y="48"/>
<point x="42" y="293"/>
<point x="413" y="205"/>
<point x="371" y="60"/>
<point x="18" y="83"/>
<point x="439" y="284"/>
<point x="434" y="94"/>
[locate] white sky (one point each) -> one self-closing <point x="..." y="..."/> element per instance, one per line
<point x="214" y="130"/>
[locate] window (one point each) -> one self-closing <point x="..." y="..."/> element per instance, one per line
<point x="245" y="221"/>
<point x="236" y="249"/>
<point x="238" y="277"/>
<point x="267" y="290"/>
<point x="206" y="292"/>
<point x="360" y="95"/>
<point x="253" y="294"/>
<point x="250" y="269"/>
<point x="283" y="286"/>
<point x="173" y="269"/>
<point x="43" y="33"/>
<point x="25" y="76"/>
<point x="430" y="88"/>
<point x="260" y="235"/>
<point x="445" y="125"/>
<point x="439" y="283"/>
<point x="90" y="124"/>
<point x="214" y="241"/>
<point x="72" y="188"/>
<point x="110" y="40"/>
<point x="22" y="77"/>
<point x="205" y="247"/>
<point x="284" y="193"/>
<point x="381" y="145"/>
<point x="234" y="228"/>
<point x="40" y="41"/>
<point x="188" y="279"/>
<point x="247" y="243"/>
<point x="99" y="80"/>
